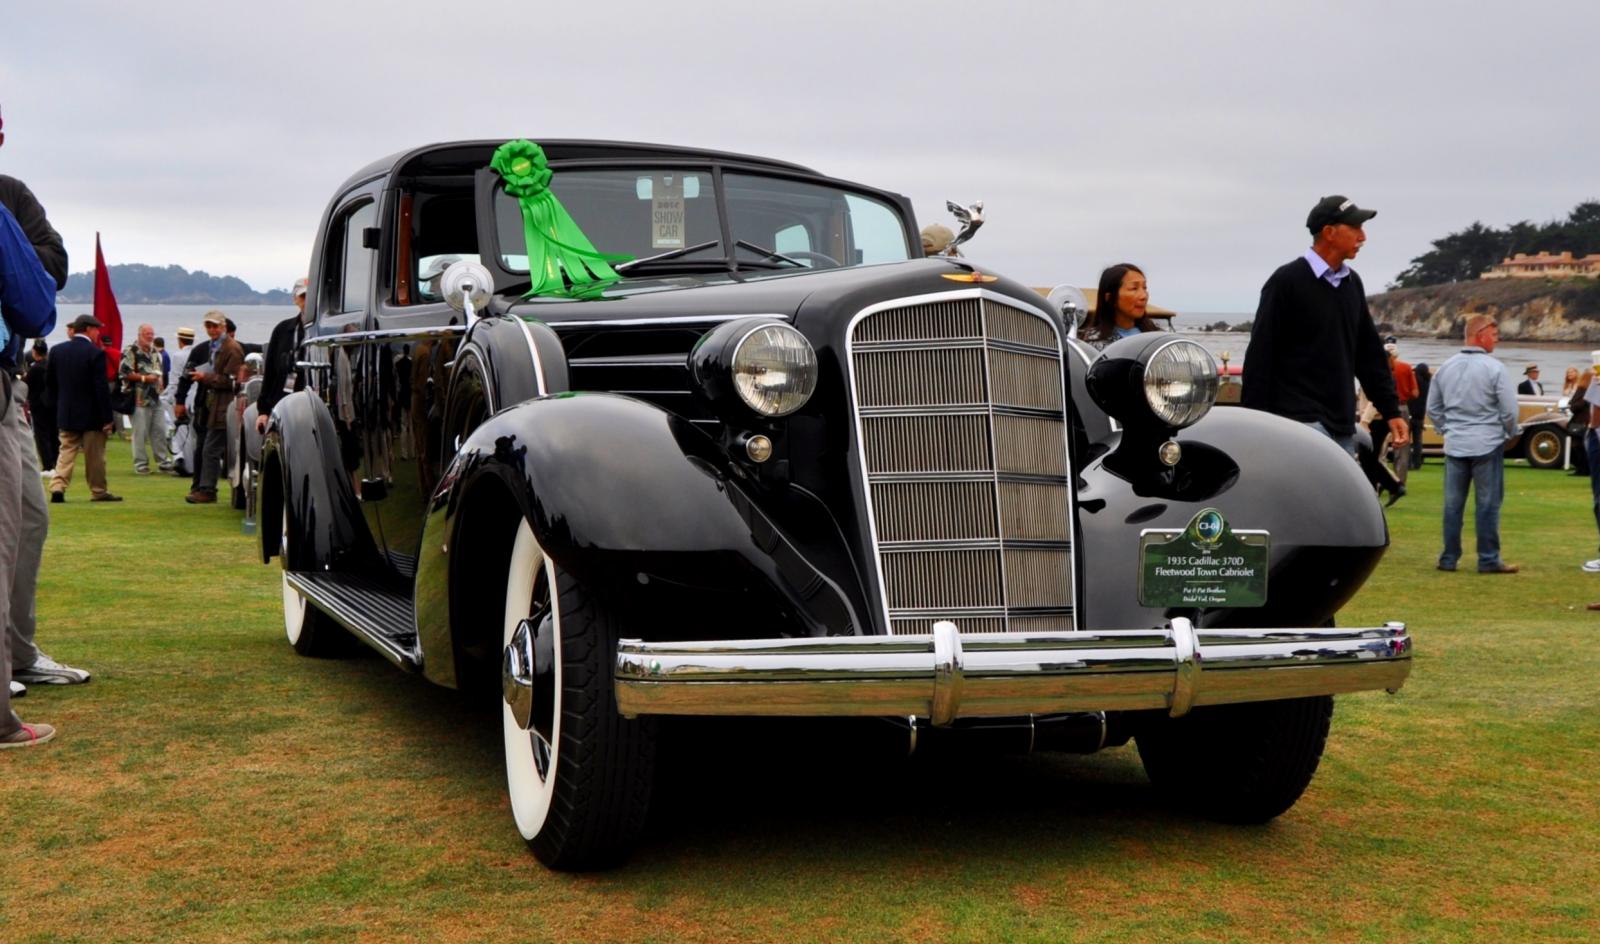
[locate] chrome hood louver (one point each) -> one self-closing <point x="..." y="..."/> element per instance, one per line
<point x="960" y="420"/>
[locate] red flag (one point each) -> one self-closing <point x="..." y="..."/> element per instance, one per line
<point x="107" y="313"/>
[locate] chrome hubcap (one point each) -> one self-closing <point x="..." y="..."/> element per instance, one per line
<point x="517" y="670"/>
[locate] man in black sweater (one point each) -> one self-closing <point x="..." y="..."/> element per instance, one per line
<point x="1313" y="335"/>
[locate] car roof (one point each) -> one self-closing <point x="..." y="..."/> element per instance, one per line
<point x="465" y="157"/>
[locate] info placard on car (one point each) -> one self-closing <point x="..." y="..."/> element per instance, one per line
<point x="1207" y="563"/>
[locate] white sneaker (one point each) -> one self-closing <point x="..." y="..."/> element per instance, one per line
<point x="1592" y="567"/>
<point x="18" y="689"/>
<point x="47" y="671"/>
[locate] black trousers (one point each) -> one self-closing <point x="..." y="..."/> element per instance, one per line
<point x="47" y="439"/>
<point x="197" y="431"/>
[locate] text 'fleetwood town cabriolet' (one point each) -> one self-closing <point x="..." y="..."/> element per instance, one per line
<point x="632" y="431"/>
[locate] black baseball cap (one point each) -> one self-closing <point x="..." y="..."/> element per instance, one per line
<point x="1336" y="209"/>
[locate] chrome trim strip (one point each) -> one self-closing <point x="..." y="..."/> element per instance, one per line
<point x="683" y="319"/>
<point x="388" y="334"/>
<point x="533" y="354"/>
<point x="947" y="675"/>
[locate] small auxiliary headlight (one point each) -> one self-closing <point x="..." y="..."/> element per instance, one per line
<point x="774" y="370"/>
<point x="758" y="448"/>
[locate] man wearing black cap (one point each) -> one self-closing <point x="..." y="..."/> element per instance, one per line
<point x="1313" y="334"/>
<point x="76" y="376"/>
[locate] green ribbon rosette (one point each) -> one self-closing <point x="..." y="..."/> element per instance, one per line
<point x="561" y="260"/>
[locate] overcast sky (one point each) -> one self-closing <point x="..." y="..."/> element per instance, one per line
<point x="1189" y="138"/>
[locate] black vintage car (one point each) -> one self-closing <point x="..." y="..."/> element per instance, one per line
<point x="783" y="465"/>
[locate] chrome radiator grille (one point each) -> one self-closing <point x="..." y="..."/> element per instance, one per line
<point x="963" y="437"/>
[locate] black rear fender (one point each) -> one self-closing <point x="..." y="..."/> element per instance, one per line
<point x="302" y="473"/>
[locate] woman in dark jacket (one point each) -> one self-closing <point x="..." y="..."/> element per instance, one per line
<point x="1120" y="306"/>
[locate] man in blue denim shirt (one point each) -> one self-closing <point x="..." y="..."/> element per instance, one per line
<point x="1474" y="406"/>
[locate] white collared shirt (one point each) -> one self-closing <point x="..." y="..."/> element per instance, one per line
<point x="1321" y="269"/>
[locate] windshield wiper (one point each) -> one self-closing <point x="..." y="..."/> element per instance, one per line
<point x="669" y="254"/>
<point x="768" y="253"/>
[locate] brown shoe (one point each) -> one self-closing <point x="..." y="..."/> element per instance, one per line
<point x="1594" y="606"/>
<point x="198" y="497"/>
<point x="106" y="496"/>
<point x="1500" y="568"/>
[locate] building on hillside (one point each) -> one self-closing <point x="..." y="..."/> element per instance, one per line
<point x="1545" y="265"/>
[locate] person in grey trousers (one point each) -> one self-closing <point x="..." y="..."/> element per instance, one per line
<point x="141" y="370"/>
<point x="33" y="266"/>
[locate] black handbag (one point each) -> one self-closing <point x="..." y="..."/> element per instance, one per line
<point x="122" y="399"/>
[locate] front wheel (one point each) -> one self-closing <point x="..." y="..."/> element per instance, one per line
<point x="1244" y="763"/>
<point x="1542" y="447"/>
<point x="579" y="774"/>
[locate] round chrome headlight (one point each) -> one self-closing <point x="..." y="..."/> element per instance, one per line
<point x="1180" y="382"/>
<point x="1154" y="382"/>
<point x="774" y="370"/>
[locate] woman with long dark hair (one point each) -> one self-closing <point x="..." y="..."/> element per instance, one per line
<point x="1120" y="306"/>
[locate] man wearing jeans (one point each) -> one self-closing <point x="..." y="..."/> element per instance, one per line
<point x="1474" y="406"/>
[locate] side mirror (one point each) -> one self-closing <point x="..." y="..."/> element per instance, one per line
<point x="1073" y="305"/>
<point x="465" y="287"/>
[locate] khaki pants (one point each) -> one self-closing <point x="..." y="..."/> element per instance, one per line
<point x="92" y="443"/>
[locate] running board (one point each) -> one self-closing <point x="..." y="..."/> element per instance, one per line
<point x="379" y="616"/>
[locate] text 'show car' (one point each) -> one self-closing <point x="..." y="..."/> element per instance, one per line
<point x="647" y="431"/>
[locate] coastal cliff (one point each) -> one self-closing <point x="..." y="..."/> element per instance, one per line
<point x="1527" y="309"/>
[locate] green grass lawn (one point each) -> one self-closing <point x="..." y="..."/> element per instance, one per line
<point x="210" y="785"/>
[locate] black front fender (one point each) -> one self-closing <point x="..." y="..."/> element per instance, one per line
<point x="1261" y="471"/>
<point x="641" y="507"/>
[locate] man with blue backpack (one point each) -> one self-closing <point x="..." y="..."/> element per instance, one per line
<point x="33" y="266"/>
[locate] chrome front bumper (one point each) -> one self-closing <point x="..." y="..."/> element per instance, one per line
<point x="944" y="675"/>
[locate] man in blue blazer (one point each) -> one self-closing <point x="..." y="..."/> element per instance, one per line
<point x="76" y="376"/>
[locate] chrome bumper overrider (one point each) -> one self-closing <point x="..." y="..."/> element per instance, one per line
<point x="945" y="675"/>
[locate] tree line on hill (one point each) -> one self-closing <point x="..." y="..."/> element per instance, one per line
<point x="138" y="284"/>
<point x="1464" y="255"/>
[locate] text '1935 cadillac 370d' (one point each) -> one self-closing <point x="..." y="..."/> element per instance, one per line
<point x="630" y="431"/>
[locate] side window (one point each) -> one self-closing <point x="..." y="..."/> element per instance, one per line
<point x="356" y="278"/>
<point x="792" y="239"/>
<point x="876" y="232"/>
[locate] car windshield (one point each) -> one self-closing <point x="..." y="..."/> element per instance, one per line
<point x="671" y="219"/>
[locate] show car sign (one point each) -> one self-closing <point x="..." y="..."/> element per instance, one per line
<point x="1206" y="564"/>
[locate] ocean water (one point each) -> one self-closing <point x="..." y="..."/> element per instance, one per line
<point x="256" y="321"/>
<point x="1553" y="357"/>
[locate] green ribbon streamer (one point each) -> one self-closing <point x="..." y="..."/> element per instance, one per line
<point x="561" y="259"/>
